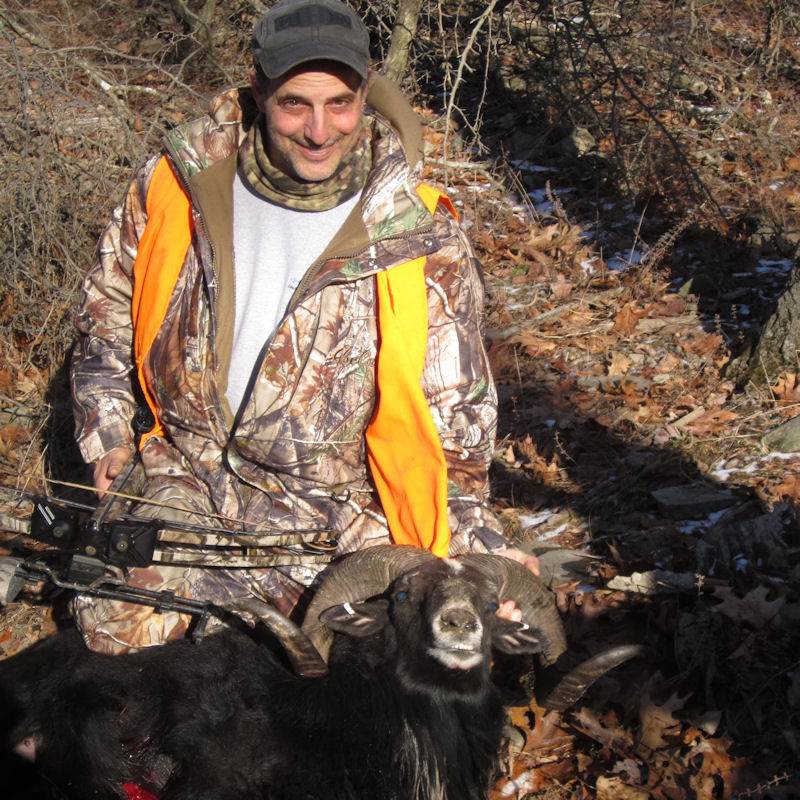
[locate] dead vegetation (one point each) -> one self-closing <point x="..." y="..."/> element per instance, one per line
<point x="629" y="175"/>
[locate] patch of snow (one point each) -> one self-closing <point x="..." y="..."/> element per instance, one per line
<point x="620" y="261"/>
<point x="775" y="185"/>
<point x="451" y="190"/>
<point x="740" y="562"/>
<point x="705" y="109"/>
<point x="588" y="267"/>
<point x="551" y="423"/>
<point x="531" y="520"/>
<point x="697" y="525"/>
<point x="528" y="166"/>
<point x="458" y="203"/>
<point x="720" y="473"/>
<point x="540" y="195"/>
<point x="715" y="516"/>
<point x="691" y="526"/>
<point x="774" y="265"/>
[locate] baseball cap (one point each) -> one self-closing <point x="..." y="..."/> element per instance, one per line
<point x="295" y="31"/>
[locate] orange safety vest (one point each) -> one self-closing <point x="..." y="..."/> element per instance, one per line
<point x="404" y="451"/>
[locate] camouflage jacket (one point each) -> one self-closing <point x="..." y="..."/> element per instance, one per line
<point x="293" y="455"/>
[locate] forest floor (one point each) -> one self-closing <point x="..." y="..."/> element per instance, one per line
<point x="612" y="326"/>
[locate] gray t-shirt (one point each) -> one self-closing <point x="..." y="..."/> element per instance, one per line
<point x="272" y="249"/>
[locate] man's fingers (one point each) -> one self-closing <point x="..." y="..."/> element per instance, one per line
<point x="528" y="561"/>
<point x="109" y="466"/>
<point x="508" y="610"/>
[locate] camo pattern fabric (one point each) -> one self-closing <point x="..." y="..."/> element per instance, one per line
<point x="295" y="457"/>
<point x="115" y="627"/>
<point x="284" y="190"/>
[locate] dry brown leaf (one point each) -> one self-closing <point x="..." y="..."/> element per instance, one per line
<point x="702" y="345"/>
<point x="532" y="343"/>
<point x="657" y="720"/>
<point x="614" y="788"/>
<point x="561" y="288"/>
<point x="668" y="363"/>
<point x="671" y="305"/>
<point x="789" y="489"/>
<point x="716" y="761"/>
<point x="753" y="609"/>
<point x="607" y="732"/>
<point x="627" y="319"/>
<point x="787" y="389"/>
<point x="619" y="363"/>
<point x="710" y="422"/>
<point x="793" y="163"/>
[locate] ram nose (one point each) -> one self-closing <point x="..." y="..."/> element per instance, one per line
<point x="458" y="620"/>
<point x="457" y="627"/>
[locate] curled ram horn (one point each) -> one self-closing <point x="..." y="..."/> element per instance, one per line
<point x="537" y="603"/>
<point x="560" y="691"/>
<point x="303" y="656"/>
<point x="356" y="577"/>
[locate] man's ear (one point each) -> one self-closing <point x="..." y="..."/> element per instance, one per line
<point x="256" y="88"/>
<point x="514" y="638"/>
<point x="357" y="619"/>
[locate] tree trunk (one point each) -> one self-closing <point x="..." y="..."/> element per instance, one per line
<point x="779" y="345"/>
<point x="404" y="30"/>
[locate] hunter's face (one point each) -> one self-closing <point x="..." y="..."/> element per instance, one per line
<point x="313" y="118"/>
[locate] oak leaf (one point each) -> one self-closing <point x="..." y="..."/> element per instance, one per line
<point x="619" y="364"/>
<point x="627" y="319"/>
<point x="753" y="609"/>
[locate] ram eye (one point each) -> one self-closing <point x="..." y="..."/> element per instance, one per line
<point x="492" y="607"/>
<point x="401" y="596"/>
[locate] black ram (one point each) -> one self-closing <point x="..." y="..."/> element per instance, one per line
<point x="406" y="709"/>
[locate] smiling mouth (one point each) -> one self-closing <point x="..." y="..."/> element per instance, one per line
<point x="313" y="154"/>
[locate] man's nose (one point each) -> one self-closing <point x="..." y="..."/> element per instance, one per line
<point x="317" y="127"/>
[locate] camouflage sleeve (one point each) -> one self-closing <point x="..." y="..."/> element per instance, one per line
<point x="103" y="402"/>
<point x="460" y="390"/>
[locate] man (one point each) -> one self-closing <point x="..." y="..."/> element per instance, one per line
<point x="301" y="202"/>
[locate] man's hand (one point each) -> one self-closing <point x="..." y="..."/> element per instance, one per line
<point x="109" y="466"/>
<point x="509" y="609"/>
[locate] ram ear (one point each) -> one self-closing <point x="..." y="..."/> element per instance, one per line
<point x="515" y="638"/>
<point x="357" y="619"/>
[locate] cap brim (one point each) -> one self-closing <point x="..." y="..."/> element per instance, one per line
<point x="291" y="57"/>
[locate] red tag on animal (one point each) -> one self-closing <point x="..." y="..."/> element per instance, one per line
<point x="135" y="792"/>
